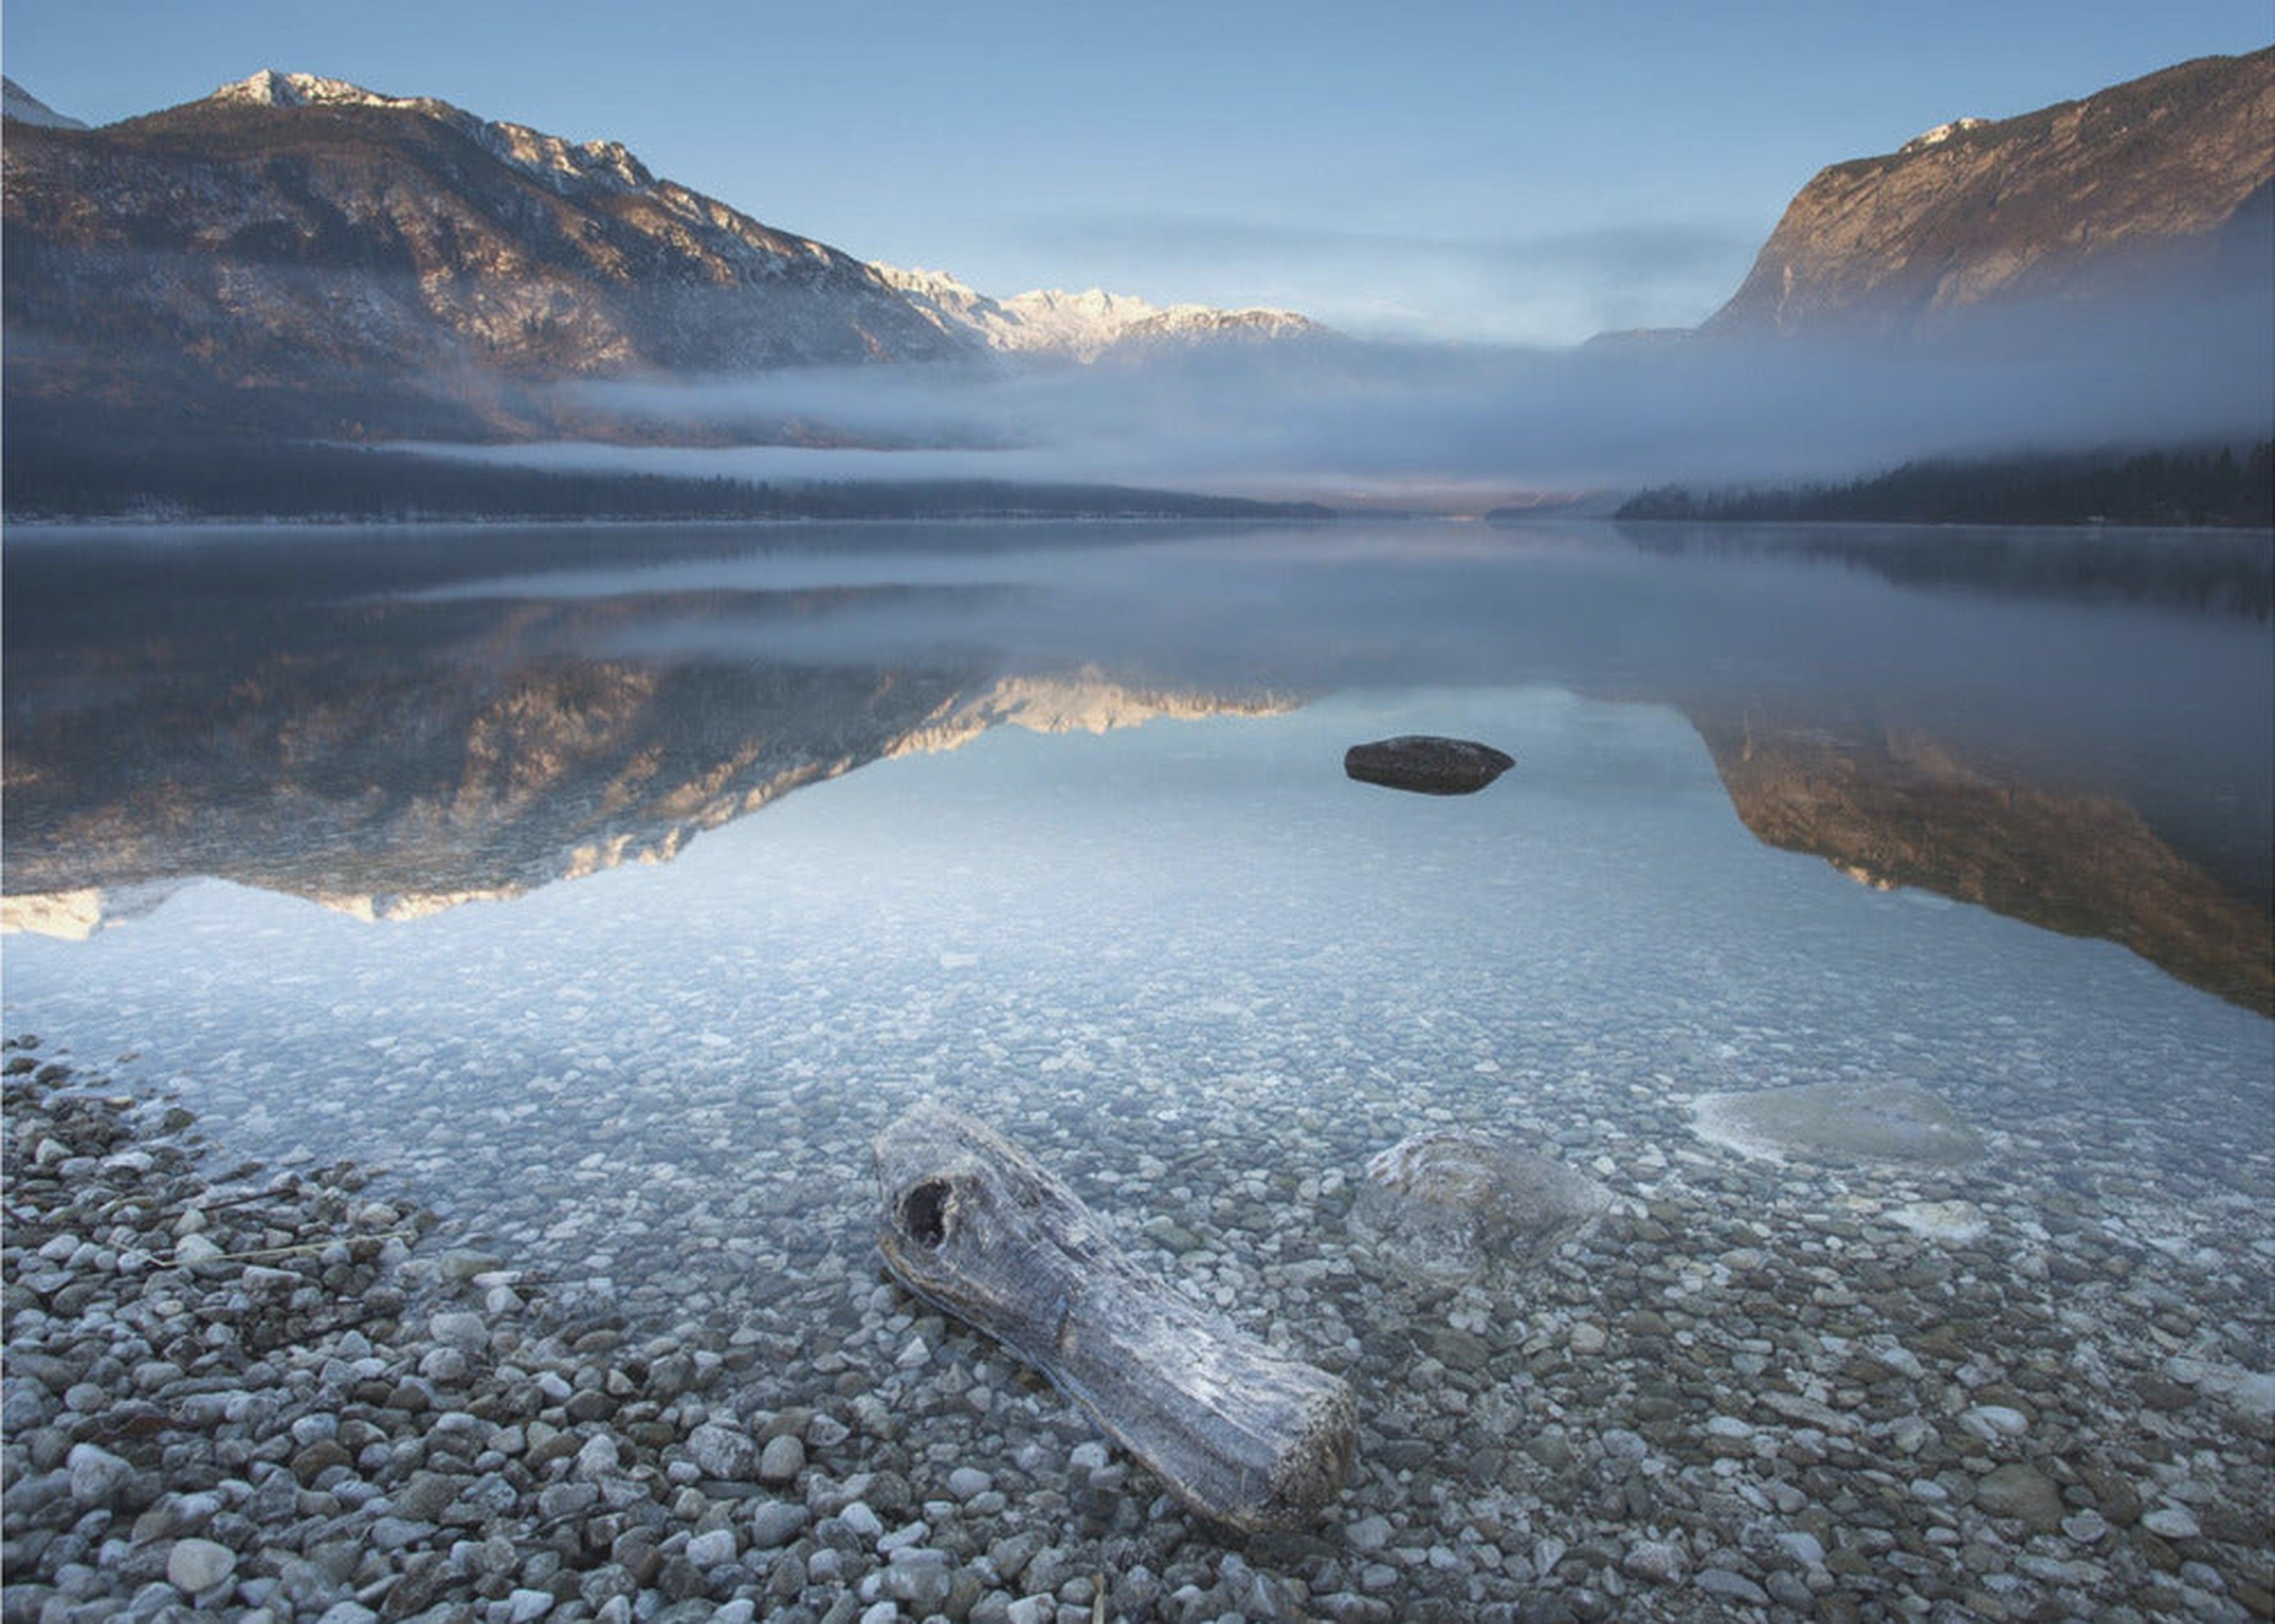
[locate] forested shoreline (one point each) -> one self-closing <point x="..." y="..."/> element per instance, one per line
<point x="2227" y="485"/>
<point x="51" y="476"/>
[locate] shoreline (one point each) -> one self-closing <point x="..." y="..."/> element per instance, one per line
<point x="1743" y="1396"/>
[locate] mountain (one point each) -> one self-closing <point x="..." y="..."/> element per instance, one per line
<point x="1083" y="327"/>
<point x="2163" y="187"/>
<point x="303" y="253"/>
<point x="296" y="255"/>
<point x="21" y="105"/>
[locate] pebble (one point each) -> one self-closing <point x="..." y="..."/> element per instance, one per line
<point x="774" y="1524"/>
<point x="2171" y="1522"/>
<point x="1727" y="1586"/>
<point x="1367" y="1534"/>
<point x="1803" y="1547"/>
<point x="722" y="1452"/>
<point x="196" y="1566"/>
<point x="1653" y="1560"/>
<point x="782" y="1460"/>
<point x="460" y="1329"/>
<point x="1736" y="1349"/>
<point x="2016" y="1490"/>
<point x="712" y="1550"/>
<point x="1993" y="1422"/>
<point x="96" y="1474"/>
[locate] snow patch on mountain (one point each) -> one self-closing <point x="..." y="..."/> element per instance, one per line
<point x="1080" y="326"/>
<point x="1941" y="133"/>
<point x="550" y="157"/>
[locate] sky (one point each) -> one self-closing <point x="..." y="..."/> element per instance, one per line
<point x="1509" y="172"/>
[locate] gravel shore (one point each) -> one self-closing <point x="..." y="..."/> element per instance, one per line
<point x="1744" y="1392"/>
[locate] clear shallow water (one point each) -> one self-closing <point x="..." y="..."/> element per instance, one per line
<point x="1185" y="961"/>
<point x="1200" y="906"/>
<point x="1135" y="927"/>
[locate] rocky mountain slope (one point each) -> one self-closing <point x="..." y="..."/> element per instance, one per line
<point x="331" y="251"/>
<point x="300" y="253"/>
<point x="2161" y="186"/>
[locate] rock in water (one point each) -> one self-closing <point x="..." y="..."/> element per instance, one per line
<point x="1239" y="1431"/>
<point x="1839" y="1123"/>
<point x="1427" y="765"/>
<point x="1448" y="1206"/>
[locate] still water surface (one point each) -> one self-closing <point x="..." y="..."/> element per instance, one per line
<point x="1057" y="809"/>
<point x="613" y="889"/>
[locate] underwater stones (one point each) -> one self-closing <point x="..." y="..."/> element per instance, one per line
<point x="1956" y="1223"/>
<point x="2171" y="1522"/>
<point x="1448" y="1206"/>
<point x="1426" y="764"/>
<point x="2016" y="1490"/>
<point x="1839" y="1123"/>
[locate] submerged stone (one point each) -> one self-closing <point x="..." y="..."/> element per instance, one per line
<point x="1838" y="1122"/>
<point x="1448" y="1206"/>
<point x="2016" y="1490"/>
<point x="1426" y="764"/>
<point x="1958" y="1223"/>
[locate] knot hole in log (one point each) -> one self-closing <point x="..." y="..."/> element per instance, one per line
<point x="923" y="1212"/>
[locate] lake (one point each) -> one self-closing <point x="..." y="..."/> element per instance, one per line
<point x="611" y="889"/>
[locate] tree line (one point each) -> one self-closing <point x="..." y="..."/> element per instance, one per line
<point x="69" y="477"/>
<point x="2209" y="487"/>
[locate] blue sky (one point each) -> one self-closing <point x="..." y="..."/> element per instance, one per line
<point x="1510" y="172"/>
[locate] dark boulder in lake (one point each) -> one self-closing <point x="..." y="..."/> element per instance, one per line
<point x="1426" y="764"/>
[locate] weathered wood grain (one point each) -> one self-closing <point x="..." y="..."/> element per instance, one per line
<point x="1242" y="1433"/>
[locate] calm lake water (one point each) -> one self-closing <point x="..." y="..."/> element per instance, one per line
<point x="612" y="889"/>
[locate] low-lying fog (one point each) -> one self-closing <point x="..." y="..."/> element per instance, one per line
<point x="1335" y="418"/>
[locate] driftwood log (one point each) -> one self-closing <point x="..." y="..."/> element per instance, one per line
<point x="1240" y="1433"/>
<point x="1426" y="764"/>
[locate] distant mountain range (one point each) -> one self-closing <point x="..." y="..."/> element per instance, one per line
<point x="1084" y="326"/>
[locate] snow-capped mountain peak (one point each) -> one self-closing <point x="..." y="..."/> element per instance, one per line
<point x="270" y="87"/>
<point x="1082" y="326"/>
<point x="1941" y="133"/>
<point x="549" y="157"/>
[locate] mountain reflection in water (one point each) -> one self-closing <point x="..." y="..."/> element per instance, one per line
<point x="2070" y="730"/>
